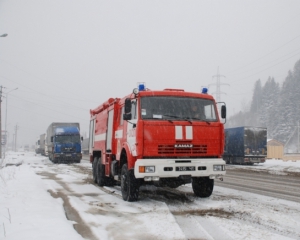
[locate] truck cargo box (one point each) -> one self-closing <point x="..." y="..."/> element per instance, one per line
<point x="245" y="145"/>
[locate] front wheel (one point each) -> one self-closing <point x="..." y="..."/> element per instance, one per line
<point x="202" y="186"/>
<point x="129" y="185"/>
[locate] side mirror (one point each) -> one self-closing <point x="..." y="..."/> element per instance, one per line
<point x="81" y="138"/>
<point x="223" y="111"/>
<point x="127" y="114"/>
<point x="51" y="139"/>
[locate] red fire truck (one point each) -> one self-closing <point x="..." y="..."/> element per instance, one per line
<point x="166" y="138"/>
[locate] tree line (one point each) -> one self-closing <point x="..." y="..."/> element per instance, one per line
<point x="275" y="107"/>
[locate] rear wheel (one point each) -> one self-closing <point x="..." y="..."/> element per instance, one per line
<point x="202" y="186"/>
<point x="129" y="185"/>
<point x="94" y="166"/>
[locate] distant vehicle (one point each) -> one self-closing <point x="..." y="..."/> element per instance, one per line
<point x="4" y="138"/>
<point x="42" y="144"/>
<point x="26" y="148"/>
<point x="46" y="146"/>
<point x="64" y="142"/>
<point x="37" y="147"/>
<point x="85" y="146"/>
<point x="245" y="145"/>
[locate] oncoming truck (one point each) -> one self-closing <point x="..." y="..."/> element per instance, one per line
<point x="166" y="138"/>
<point x="245" y="145"/>
<point x="64" y="142"/>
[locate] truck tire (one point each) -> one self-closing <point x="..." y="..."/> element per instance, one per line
<point x="94" y="166"/>
<point x="100" y="173"/>
<point x="129" y="185"/>
<point x="54" y="160"/>
<point x="202" y="186"/>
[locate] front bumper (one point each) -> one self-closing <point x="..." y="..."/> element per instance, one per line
<point x="170" y="168"/>
<point x="68" y="156"/>
<point x="254" y="160"/>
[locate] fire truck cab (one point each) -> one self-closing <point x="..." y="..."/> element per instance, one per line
<point x="165" y="138"/>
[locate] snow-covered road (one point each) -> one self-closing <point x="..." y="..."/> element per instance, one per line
<point x="41" y="200"/>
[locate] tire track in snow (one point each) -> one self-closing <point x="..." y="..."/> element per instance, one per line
<point x="71" y="213"/>
<point x="197" y="227"/>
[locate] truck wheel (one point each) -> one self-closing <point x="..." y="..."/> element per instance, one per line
<point x="54" y="160"/>
<point x="129" y="185"/>
<point x="202" y="186"/>
<point x="100" y="173"/>
<point x="94" y="166"/>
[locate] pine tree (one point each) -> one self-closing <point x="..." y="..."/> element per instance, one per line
<point x="255" y="104"/>
<point x="273" y="107"/>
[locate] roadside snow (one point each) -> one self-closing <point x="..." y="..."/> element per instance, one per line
<point x="29" y="210"/>
<point x="278" y="167"/>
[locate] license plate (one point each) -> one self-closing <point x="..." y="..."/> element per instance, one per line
<point x="185" y="168"/>
<point x="68" y="155"/>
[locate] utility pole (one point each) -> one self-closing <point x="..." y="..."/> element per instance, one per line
<point x="218" y="84"/>
<point x="0" y="122"/>
<point x="16" y="129"/>
<point x="2" y="35"/>
<point x="13" y="142"/>
<point x="298" y="148"/>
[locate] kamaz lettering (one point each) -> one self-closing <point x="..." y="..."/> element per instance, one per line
<point x="183" y="145"/>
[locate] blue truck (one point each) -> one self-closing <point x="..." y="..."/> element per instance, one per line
<point x="245" y="145"/>
<point x="64" y="142"/>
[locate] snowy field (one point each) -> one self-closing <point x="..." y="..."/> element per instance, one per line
<point x="30" y="207"/>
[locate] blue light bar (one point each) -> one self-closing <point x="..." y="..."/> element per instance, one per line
<point x="141" y="86"/>
<point x="204" y="90"/>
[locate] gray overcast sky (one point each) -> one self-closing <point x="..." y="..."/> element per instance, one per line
<point x="67" y="57"/>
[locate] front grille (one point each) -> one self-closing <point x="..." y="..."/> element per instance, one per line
<point x="170" y="149"/>
<point x="68" y="149"/>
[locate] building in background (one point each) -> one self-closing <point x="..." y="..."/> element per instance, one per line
<point x="275" y="149"/>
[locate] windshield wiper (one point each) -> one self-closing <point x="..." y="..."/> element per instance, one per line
<point x="181" y="118"/>
<point x="201" y="120"/>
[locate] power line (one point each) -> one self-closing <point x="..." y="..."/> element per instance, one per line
<point x="265" y="69"/>
<point x="51" y="110"/>
<point x="295" y="53"/>
<point x="38" y="78"/>
<point x="43" y="94"/>
<point x="49" y="103"/>
<point x="265" y="54"/>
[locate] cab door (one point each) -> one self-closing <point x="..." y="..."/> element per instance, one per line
<point x="131" y="128"/>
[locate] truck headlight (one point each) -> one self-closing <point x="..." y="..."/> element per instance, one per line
<point x="219" y="167"/>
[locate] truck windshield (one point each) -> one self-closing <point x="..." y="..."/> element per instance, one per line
<point x="67" y="139"/>
<point x="178" y="108"/>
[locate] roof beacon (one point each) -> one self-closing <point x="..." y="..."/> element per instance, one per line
<point x="204" y="90"/>
<point x="141" y="86"/>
